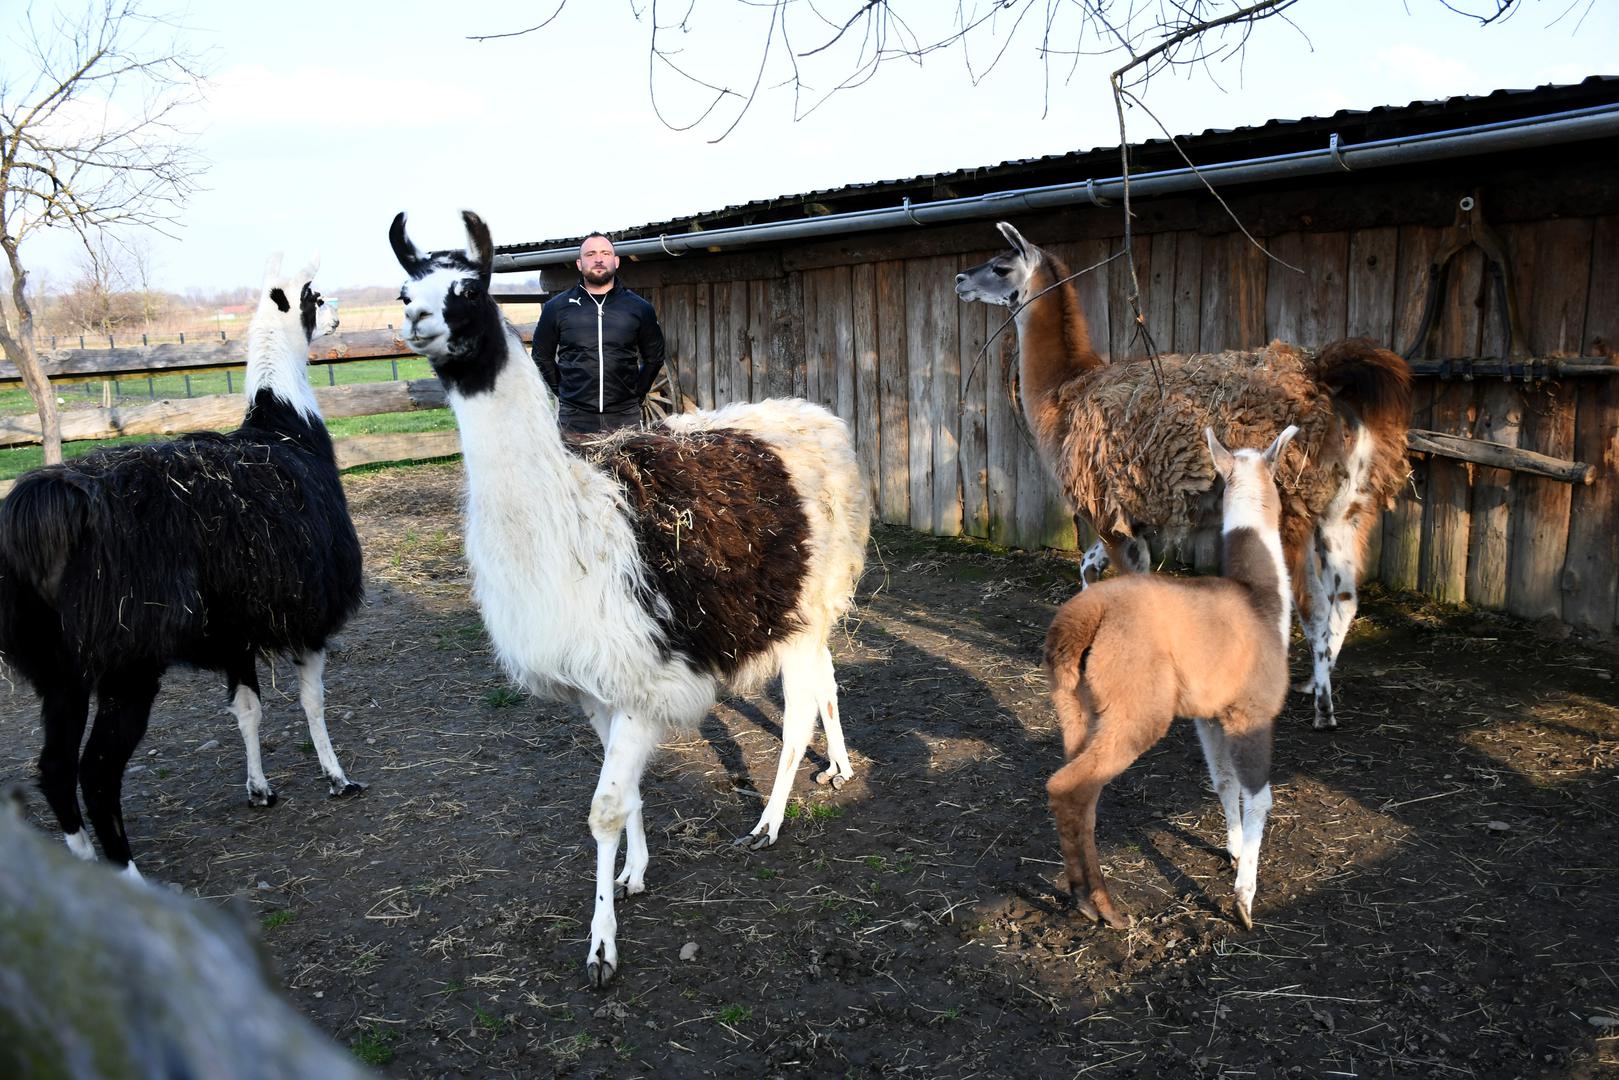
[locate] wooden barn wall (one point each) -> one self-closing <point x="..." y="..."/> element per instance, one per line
<point x="870" y="327"/>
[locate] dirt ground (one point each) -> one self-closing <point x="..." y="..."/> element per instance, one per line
<point x="1438" y="891"/>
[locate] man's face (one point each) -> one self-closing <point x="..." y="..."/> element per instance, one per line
<point x="597" y="263"/>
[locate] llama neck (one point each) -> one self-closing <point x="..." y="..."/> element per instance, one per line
<point x="277" y="359"/>
<point x="1054" y="343"/>
<point x="1252" y="555"/>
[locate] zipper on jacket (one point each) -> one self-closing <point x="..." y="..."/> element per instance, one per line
<point x="601" y="356"/>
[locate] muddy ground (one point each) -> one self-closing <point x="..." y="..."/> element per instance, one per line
<point x="1438" y="892"/>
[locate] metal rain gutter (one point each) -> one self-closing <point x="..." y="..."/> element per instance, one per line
<point x="1594" y="122"/>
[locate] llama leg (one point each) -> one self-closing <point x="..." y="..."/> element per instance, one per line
<point x="125" y="705"/>
<point x="247" y="707"/>
<point x="1250" y="754"/>
<point x="800" y="668"/>
<point x="64" y="709"/>
<point x="1315" y="621"/>
<point x="1074" y="790"/>
<point x="1341" y="549"/>
<point x="630" y="743"/>
<point x="312" y="695"/>
<point x="632" y="879"/>
<point x="840" y="771"/>
<point x="1223" y="775"/>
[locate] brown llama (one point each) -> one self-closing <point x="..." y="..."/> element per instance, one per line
<point x="1132" y="461"/>
<point x="1128" y="656"/>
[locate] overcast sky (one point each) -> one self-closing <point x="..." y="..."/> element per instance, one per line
<point x="324" y="119"/>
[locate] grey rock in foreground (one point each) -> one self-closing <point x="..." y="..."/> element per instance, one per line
<point x="102" y="977"/>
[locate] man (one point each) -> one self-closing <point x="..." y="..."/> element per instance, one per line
<point x="598" y="345"/>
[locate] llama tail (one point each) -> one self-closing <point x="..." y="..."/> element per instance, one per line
<point x="42" y="520"/>
<point x="1069" y="640"/>
<point x="1373" y="381"/>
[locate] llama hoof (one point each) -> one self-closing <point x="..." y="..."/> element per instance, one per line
<point x="599" y="970"/>
<point x="836" y="779"/>
<point x="343" y="788"/>
<point x="267" y="797"/>
<point x="1306" y="686"/>
<point x="622" y="889"/>
<point x="1244" y="917"/>
<point x="755" y="841"/>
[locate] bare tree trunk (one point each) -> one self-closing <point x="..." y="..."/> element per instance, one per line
<point x="20" y="350"/>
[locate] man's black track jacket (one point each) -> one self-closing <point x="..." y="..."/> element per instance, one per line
<point x="598" y="358"/>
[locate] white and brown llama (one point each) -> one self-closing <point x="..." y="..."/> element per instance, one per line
<point x="639" y="575"/>
<point x="1132" y="460"/>
<point x="1126" y="657"/>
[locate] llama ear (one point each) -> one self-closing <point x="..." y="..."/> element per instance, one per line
<point x="272" y="268"/>
<point x="1274" y="453"/>
<point x="480" y="245"/>
<point x="1015" y="238"/>
<point x="1224" y="461"/>
<point x="311" y="267"/>
<point x="406" y="252"/>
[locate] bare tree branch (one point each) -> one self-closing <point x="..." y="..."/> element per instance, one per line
<point x="92" y="143"/>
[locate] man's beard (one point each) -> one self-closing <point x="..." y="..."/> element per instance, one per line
<point x="598" y="277"/>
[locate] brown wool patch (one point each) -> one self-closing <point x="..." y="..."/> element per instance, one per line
<point x="723" y="534"/>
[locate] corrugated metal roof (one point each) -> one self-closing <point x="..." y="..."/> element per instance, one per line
<point x="1210" y="146"/>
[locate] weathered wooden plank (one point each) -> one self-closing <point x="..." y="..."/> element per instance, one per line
<point x="972" y="331"/>
<point x="376" y="449"/>
<point x="1160" y="290"/>
<point x="722" y="315"/>
<point x="703" y="344"/>
<point x="1092" y="290"/>
<point x="1287" y="278"/>
<point x="868" y="432"/>
<point x="1001" y="432"/>
<point x="946" y="387"/>
<point x="815" y="360"/>
<point x="220" y="412"/>
<point x="1124" y="340"/>
<point x="1188" y="306"/>
<point x="840" y="377"/>
<point x="1446" y="518"/>
<point x="679" y="324"/>
<point x="1591" y="568"/>
<point x="760" y="348"/>
<point x="785" y="337"/>
<point x="920" y="335"/>
<point x="1497" y="416"/>
<point x="1552" y="272"/>
<point x="894" y="391"/>
<point x="1235" y="272"/>
<point x="1369" y="285"/>
<point x="1402" y="526"/>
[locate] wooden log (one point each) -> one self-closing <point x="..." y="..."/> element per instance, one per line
<point x="894" y="393"/>
<point x="920" y="334"/>
<point x="220" y="412"/>
<point x="409" y="446"/>
<point x="1590" y="577"/>
<point x="1552" y="270"/>
<point x="868" y="431"/>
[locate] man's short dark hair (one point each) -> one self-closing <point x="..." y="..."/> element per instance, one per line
<point x="591" y="236"/>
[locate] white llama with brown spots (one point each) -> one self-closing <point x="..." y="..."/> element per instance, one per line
<point x="1128" y="656"/>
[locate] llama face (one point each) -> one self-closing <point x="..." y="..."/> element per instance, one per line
<point x="449" y="316"/>
<point x="1004" y="279"/>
